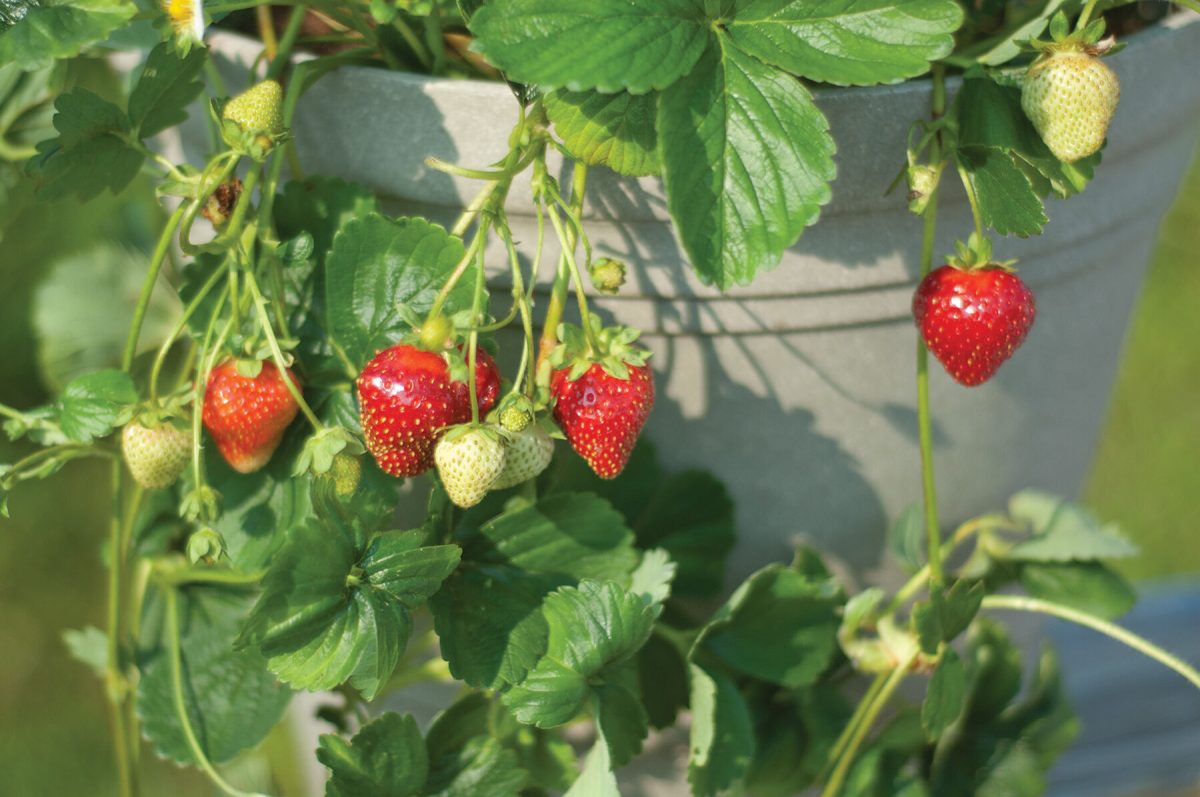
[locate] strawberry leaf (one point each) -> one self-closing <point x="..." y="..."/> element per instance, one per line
<point x="53" y="31"/>
<point x="387" y="756"/>
<point x="1007" y="201"/>
<point x="1091" y="587"/>
<point x="167" y="85"/>
<point x="722" y="733"/>
<point x="337" y="607"/>
<point x="779" y="626"/>
<point x="94" y="404"/>
<point x="607" y="45"/>
<point x="232" y="700"/>
<point x="847" y="42"/>
<point x="1062" y="531"/>
<point x="945" y="696"/>
<point x="91" y="153"/>
<point x="378" y="264"/>
<point x="593" y="629"/>
<point x="747" y="161"/>
<point x="613" y="130"/>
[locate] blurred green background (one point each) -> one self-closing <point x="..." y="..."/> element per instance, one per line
<point x="53" y="725"/>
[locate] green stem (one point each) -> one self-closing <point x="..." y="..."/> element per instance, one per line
<point x="9" y="412"/>
<point x="15" y="152"/>
<point x="287" y="41"/>
<point x="143" y="303"/>
<point x="568" y="247"/>
<point x="460" y="269"/>
<point x="860" y="711"/>
<point x="185" y="722"/>
<point x="521" y="301"/>
<point x="264" y="322"/>
<point x="188" y="312"/>
<point x="924" y="421"/>
<point x="870" y="714"/>
<point x="416" y="45"/>
<point x="1023" y="603"/>
<point x="476" y="309"/>
<point x="558" y="303"/>
<point x="1086" y="15"/>
<point x="972" y="199"/>
<point x="208" y="352"/>
<point x="117" y="684"/>
<point x="473" y="209"/>
<point x="172" y="576"/>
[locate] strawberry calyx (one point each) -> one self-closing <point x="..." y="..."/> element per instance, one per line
<point x="610" y="347"/>
<point x="252" y="122"/>
<point x="976" y="254"/>
<point x="1089" y="39"/>
<point x="322" y="449"/>
<point x="488" y="430"/>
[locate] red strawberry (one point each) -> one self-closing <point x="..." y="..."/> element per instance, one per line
<point x="407" y="399"/>
<point x="973" y="319"/>
<point x="246" y="416"/>
<point x="601" y="414"/>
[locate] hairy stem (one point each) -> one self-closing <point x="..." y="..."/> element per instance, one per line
<point x="924" y="421"/>
<point x="188" y="312"/>
<point x="972" y="199"/>
<point x="264" y="322"/>
<point x="1022" y="603"/>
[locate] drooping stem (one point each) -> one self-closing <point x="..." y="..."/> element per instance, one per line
<point x="834" y="785"/>
<point x="185" y="723"/>
<point x="143" y="303"/>
<point x="558" y="301"/>
<point x="860" y="711"/>
<point x="972" y="199"/>
<point x="461" y="268"/>
<point x="568" y="248"/>
<point x="1144" y="646"/>
<point x="266" y="31"/>
<point x="264" y="322"/>
<point x="924" y="422"/>
<point x="188" y="312"/>
<point x="473" y="339"/>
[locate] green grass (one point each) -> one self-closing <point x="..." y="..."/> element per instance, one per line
<point x="1146" y="475"/>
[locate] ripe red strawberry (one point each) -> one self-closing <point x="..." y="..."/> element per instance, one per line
<point x="973" y="319"/>
<point x="406" y="400"/>
<point x="246" y="416"/>
<point x="601" y="414"/>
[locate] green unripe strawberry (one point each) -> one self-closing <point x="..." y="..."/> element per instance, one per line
<point x="526" y="454"/>
<point x="258" y="109"/>
<point x="155" y="455"/>
<point x="1070" y="96"/>
<point x="469" y="459"/>
<point x="515" y="418"/>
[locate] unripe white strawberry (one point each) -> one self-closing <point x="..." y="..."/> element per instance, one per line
<point x="1070" y="96"/>
<point x="469" y="459"/>
<point x="155" y="455"/>
<point x="526" y="454"/>
<point x="258" y="109"/>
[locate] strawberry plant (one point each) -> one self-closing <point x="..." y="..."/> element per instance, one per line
<point x="329" y="352"/>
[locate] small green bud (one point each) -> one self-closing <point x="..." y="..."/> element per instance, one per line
<point x="607" y="275"/>
<point x="206" y="546"/>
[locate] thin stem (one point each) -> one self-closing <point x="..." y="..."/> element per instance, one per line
<point x="116" y="682"/>
<point x="178" y="576"/>
<point x="188" y="312"/>
<point x="287" y="41"/>
<point x="456" y="275"/>
<point x="568" y="248"/>
<point x="879" y="700"/>
<point x="972" y="199"/>
<point x="208" y="353"/>
<point x="924" y="421"/>
<point x="472" y="210"/>
<point x="15" y="152"/>
<point x="525" y="373"/>
<point x="185" y="721"/>
<point x="1086" y="15"/>
<point x="143" y="303"/>
<point x="9" y="412"/>
<point x="1022" y="603"/>
<point x="860" y="711"/>
<point x="473" y="340"/>
<point x="264" y="322"/>
<point x="558" y="303"/>
<point x="266" y="31"/>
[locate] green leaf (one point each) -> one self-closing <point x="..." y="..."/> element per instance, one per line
<point x="662" y="673"/>
<point x="330" y="612"/>
<point x="957" y="606"/>
<point x="232" y="701"/>
<point x="779" y="626"/>
<point x="607" y="45"/>
<point x="652" y="578"/>
<point x="167" y="85"/>
<point x="613" y="130"/>
<point x="575" y="535"/>
<point x="94" y="404"/>
<point x="722" y="733"/>
<point x="481" y="768"/>
<point x="1007" y="201"/>
<point x="1091" y="587"/>
<point x="90" y="153"/>
<point x="593" y="629"/>
<point x="378" y="264"/>
<point x="386" y="757"/>
<point x="945" y="696"/>
<point x="490" y="624"/>
<point x="1063" y="531"/>
<point x="57" y="30"/>
<point x="906" y="538"/>
<point x="747" y="161"/>
<point x="620" y="714"/>
<point x="847" y="42"/>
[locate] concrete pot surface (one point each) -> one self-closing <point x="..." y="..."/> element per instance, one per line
<point x="798" y="391"/>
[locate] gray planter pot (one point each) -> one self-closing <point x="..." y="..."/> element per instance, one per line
<point x="799" y="390"/>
